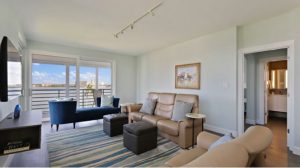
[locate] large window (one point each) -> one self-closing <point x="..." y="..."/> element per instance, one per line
<point x="56" y="77"/>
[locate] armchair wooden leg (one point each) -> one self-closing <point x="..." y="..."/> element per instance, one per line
<point x="74" y="125"/>
<point x="57" y="126"/>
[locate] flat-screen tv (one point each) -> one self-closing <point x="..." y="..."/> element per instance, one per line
<point x="3" y="71"/>
<point x="7" y="52"/>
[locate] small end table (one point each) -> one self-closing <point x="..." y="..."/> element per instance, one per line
<point x="194" y="116"/>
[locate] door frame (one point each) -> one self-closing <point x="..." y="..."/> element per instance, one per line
<point x="290" y="46"/>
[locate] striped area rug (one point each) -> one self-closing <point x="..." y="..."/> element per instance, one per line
<point x="91" y="147"/>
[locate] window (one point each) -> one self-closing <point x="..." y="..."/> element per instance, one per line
<point x="14" y="72"/>
<point x="56" y="77"/>
<point x="95" y="80"/>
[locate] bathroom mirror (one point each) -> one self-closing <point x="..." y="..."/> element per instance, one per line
<point x="279" y="79"/>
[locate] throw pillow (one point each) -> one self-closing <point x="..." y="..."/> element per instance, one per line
<point x="107" y="101"/>
<point x="222" y="140"/>
<point x="181" y="109"/>
<point x="148" y="106"/>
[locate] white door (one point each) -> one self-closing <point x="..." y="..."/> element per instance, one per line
<point x="266" y="91"/>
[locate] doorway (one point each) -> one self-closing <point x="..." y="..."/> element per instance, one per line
<point x="289" y="47"/>
<point x="266" y="99"/>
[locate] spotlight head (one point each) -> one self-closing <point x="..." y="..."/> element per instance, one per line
<point x="131" y="26"/>
<point x="116" y="36"/>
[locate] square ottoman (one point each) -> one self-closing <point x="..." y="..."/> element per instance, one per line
<point x="113" y="123"/>
<point x="140" y="137"/>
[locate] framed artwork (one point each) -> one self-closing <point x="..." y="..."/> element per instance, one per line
<point x="187" y="76"/>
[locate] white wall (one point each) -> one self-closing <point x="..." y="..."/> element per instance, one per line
<point x="125" y="65"/>
<point x="218" y="94"/>
<point x="254" y="82"/>
<point x="277" y="29"/>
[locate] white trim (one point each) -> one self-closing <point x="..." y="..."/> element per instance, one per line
<point x="295" y="150"/>
<point x="250" y="121"/>
<point x="8" y="160"/>
<point x="219" y="130"/>
<point x="291" y="55"/>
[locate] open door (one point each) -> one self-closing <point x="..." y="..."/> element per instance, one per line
<point x="266" y="92"/>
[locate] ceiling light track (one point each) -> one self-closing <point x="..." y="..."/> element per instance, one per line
<point x="131" y="24"/>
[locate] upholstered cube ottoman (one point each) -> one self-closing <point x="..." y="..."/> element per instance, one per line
<point x="113" y="123"/>
<point x="139" y="137"/>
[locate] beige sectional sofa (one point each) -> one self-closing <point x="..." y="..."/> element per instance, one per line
<point x="244" y="151"/>
<point x="179" y="132"/>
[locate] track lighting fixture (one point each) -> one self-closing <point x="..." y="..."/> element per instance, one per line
<point x="131" y="25"/>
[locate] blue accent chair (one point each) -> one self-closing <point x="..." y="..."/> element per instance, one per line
<point x="63" y="112"/>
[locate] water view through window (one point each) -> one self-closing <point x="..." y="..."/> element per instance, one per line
<point x="49" y="82"/>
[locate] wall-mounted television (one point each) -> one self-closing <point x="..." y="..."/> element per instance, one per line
<point x="8" y="55"/>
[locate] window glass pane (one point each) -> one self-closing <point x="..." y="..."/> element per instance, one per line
<point x="72" y="81"/>
<point x="48" y="83"/>
<point x="14" y="72"/>
<point x="48" y="75"/>
<point x="87" y="86"/>
<point x="104" y="80"/>
<point x="87" y="77"/>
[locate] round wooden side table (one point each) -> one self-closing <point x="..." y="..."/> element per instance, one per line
<point x="195" y="116"/>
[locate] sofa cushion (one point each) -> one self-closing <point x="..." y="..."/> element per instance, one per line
<point x="148" y="106"/>
<point x="136" y="116"/>
<point x="107" y="101"/>
<point x="222" y="140"/>
<point x="225" y="155"/>
<point x="152" y="119"/>
<point x="181" y="109"/>
<point x="165" y="104"/>
<point x="168" y="126"/>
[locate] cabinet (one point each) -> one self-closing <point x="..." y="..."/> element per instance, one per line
<point x="25" y="130"/>
<point x="277" y="103"/>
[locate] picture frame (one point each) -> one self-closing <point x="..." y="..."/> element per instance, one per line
<point x="187" y="76"/>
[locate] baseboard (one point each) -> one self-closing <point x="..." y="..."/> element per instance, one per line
<point x="8" y="160"/>
<point x="219" y="130"/>
<point x="260" y="121"/>
<point x="295" y="150"/>
<point x="250" y="121"/>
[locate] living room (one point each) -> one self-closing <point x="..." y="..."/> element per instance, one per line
<point x="134" y="50"/>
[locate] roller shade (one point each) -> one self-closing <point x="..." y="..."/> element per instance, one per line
<point x="47" y="59"/>
<point x="13" y="57"/>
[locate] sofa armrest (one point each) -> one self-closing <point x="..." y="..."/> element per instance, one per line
<point x="205" y="139"/>
<point x="186" y="132"/>
<point x="134" y="107"/>
<point x="188" y="123"/>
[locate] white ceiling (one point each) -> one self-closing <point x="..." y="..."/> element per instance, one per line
<point x="92" y="23"/>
